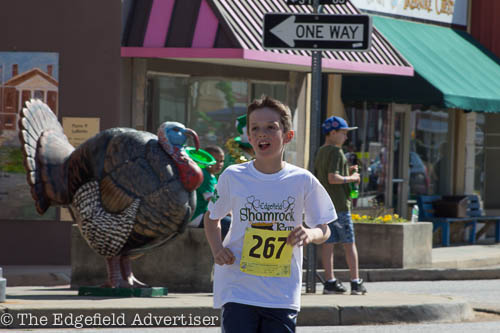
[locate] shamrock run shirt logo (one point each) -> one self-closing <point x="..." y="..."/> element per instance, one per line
<point x="266" y="214"/>
<point x="215" y="197"/>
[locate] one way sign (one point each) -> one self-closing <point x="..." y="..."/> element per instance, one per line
<point x="317" y="32"/>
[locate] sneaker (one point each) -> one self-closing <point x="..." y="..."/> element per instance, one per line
<point x="357" y="288"/>
<point x="334" y="287"/>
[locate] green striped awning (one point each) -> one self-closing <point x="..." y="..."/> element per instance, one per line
<point x="452" y="70"/>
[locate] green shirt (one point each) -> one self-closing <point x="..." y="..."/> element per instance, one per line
<point x="208" y="185"/>
<point x="331" y="159"/>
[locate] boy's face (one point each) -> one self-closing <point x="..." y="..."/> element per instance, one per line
<point x="219" y="163"/>
<point x="266" y="133"/>
<point x="337" y="137"/>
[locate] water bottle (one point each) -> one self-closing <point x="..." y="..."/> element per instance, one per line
<point x="354" y="193"/>
<point x="414" y="214"/>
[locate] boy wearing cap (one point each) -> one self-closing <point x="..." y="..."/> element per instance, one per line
<point x="334" y="173"/>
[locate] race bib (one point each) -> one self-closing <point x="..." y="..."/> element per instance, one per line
<point x="266" y="253"/>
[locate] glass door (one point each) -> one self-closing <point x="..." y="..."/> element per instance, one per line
<point x="400" y="160"/>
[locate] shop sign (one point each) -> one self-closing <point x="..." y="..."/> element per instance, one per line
<point x="317" y="32"/>
<point x="78" y="130"/>
<point x="443" y="11"/>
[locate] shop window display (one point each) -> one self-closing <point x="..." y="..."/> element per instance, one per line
<point x="429" y="146"/>
<point x="368" y="147"/>
<point x="209" y="106"/>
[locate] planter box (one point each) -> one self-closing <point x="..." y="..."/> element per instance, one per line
<point x="398" y="245"/>
<point x="183" y="264"/>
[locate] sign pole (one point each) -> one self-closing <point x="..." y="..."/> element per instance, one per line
<point x="313" y="146"/>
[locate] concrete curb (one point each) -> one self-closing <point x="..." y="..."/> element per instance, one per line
<point x="381" y="308"/>
<point x="454" y="312"/>
<point x="420" y="274"/>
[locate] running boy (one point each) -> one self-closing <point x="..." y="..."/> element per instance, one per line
<point x="258" y="271"/>
<point x="333" y="172"/>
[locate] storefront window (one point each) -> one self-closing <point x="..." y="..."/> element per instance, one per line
<point x="368" y="147"/>
<point x="208" y="106"/>
<point x="215" y="105"/>
<point x="429" y="149"/>
<point x="167" y="100"/>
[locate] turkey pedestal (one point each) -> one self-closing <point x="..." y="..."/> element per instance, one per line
<point x="183" y="265"/>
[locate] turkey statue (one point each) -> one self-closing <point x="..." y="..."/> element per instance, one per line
<point x="128" y="190"/>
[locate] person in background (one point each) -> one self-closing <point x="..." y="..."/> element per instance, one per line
<point x="206" y="190"/>
<point x="334" y="173"/>
<point x="239" y="149"/>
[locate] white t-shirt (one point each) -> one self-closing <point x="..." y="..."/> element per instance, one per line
<point x="286" y="196"/>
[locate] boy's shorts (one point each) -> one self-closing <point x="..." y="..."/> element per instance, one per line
<point x="243" y="318"/>
<point x="341" y="230"/>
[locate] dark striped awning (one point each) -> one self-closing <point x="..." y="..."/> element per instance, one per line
<point x="230" y="32"/>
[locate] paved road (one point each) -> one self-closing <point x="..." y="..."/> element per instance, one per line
<point x="479" y="327"/>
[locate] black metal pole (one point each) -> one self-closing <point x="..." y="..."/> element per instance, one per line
<point x="313" y="145"/>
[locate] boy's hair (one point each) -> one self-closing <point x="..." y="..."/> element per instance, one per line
<point x="214" y="150"/>
<point x="273" y="104"/>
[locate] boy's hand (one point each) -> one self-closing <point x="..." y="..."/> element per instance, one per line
<point x="299" y="236"/>
<point x="224" y="257"/>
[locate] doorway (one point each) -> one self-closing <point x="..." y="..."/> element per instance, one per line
<point x="398" y="186"/>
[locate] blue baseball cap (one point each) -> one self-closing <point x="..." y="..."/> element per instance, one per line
<point x="335" y="123"/>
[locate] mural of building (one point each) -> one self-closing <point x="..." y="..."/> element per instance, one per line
<point x="84" y="81"/>
<point x="21" y="87"/>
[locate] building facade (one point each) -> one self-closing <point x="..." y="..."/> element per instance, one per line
<point x="424" y="134"/>
<point x="200" y="62"/>
<point x="486" y="29"/>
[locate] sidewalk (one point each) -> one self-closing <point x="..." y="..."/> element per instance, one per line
<point x="61" y="306"/>
<point x="459" y="262"/>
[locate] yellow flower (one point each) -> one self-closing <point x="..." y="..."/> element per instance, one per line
<point x="355" y="216"/>
<point x="396" y="216"/>
<point x="364" y="217"/>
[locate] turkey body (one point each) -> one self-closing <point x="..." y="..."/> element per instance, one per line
<point x="121" y="167"/>
<point x="122" y="187"/>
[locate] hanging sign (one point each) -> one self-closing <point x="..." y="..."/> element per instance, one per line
<point x="317" y="32"/>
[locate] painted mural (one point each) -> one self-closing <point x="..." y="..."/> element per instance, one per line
<point x="23" y="75"/>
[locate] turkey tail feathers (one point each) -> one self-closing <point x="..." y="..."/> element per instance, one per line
<point x="45" y="147"/>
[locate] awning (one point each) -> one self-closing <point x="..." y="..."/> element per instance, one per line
<point x="229" y="32"/>
<point x="452" y="70"/>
